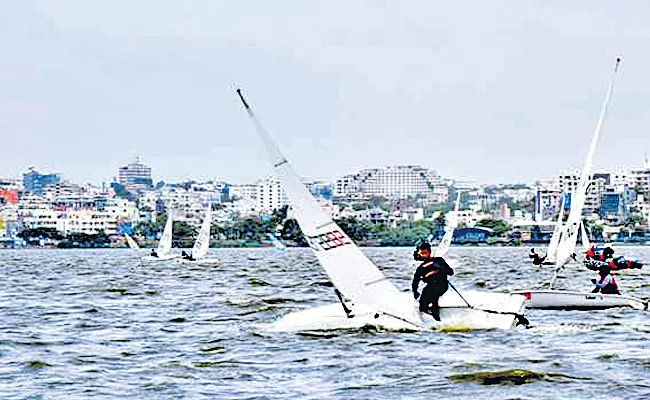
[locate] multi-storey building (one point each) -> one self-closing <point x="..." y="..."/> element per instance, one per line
<point x="270" y="195"/>
<point x="394" y="182"/>
<point x="135" y="176"/>
<point x="35" y="183"/>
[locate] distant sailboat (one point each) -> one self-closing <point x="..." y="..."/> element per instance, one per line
<point x="132" y="244"/>
<point x="568" y="300"/>
<point x="202" y="244"/>
<point x="551" y="252"/>
<point x="448" y="237"/>
<point x="367" y="296"/>
<point x="163" y="252"/>
<point x="276" y="242"/>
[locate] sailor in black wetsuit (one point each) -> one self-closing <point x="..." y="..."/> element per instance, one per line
<point x="153" y="253"/>
<point x="187" y="256"/>
<point x="537" y="260"/>
<point x="434" y="272"/>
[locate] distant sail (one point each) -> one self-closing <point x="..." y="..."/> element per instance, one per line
<point x="165" y="244"/>
<point x="202" y="243"/>
<point x="452" y="224"/>
<point x="132" y="244"/>
<point x="569" y="238"/>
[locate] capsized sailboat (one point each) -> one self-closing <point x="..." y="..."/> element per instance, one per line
<point x="163" y="252"/>
<point x="367" y="297"/>
<point x="202" y="244"/>
<point x="568" y="300"/>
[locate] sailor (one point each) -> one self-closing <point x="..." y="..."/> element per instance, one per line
<point x="608" y="252"/>
<point x="606" y="284"/>
<point x="434" y="272"/>
<point x="537" y="260"/>
<point x="153" y="253"/>
<point x="186" y="256"/>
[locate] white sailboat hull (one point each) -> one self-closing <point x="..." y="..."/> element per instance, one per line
<point x="163" y="257"/>
<point x="204" y="262"/>
<point x="568" y="300"/>
<point x="454" y="314"/>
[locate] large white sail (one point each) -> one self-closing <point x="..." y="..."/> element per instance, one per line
<point x="448" y="237"/>
<point x="578" y="197"/>
<point x="165" y="244"/>
<point x="132" y="244"/>
<point x="202" y="243"/>
<point x="551" y="253"/>
<point x="351" y="272"/>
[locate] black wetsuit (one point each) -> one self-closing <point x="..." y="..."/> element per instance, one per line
<point x="434" y="273"/>
<point x="537" y="260"/>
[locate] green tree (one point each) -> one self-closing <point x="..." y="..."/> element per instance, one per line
<point x="497" y="225"/>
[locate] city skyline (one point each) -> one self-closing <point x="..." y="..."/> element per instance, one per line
<point x="490" y="93"/>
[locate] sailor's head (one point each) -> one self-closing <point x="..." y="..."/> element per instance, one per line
<point x="532" y="250"/>
<point x="424" y="250"/>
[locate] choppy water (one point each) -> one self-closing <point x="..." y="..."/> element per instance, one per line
<point x="101" y="323"/>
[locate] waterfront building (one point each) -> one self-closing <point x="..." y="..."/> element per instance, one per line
<point x="35" y="183"/>
<point x="393" y="182"/>
<point x="135" y="176"/>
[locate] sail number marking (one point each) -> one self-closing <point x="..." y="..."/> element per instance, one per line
<point x="328" y="241"/>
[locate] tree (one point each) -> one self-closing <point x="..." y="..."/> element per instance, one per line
<point x="497" y="225"/>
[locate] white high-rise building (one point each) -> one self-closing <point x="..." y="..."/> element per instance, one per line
<point x="270" y="195"/>
<point x="394" y="182"/>
<point x="135" y="176"/>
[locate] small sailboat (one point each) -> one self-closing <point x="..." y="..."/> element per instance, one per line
<point x="551" y="252"/>
<point x="367" y="297"/>
<point x="448" y="237"/>
<point x="132" y="244"/>
<point x="163" y="252"/>
<point x="277" y="243"/>
<point x="202" y="245"/>
<point x="569" y="300"/>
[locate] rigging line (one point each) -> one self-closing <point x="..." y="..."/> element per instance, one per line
<point x="521" y="317"/>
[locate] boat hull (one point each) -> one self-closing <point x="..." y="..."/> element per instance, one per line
<point x="568" y="300"/>
<point x="165" y="257"/>
<point x="454" y="315"/>
<point x="204" y="262"/>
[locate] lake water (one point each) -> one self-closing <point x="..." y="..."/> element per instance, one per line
<point x="103" y="324"/>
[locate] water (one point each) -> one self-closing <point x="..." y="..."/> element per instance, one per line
<point x="101" y="323"/>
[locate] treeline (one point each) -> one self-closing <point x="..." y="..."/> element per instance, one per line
<point x="50" y="236"/>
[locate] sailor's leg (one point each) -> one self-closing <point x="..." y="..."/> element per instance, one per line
<point x="438" y="290"/>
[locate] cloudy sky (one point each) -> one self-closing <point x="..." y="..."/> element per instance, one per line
<point x="488" y="91"/>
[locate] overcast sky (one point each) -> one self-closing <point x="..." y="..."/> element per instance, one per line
<point x="488" y="91"/>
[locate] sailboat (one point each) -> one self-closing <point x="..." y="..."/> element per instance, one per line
<point x="448" y="237"/>
<point x="276" y="242"/>
<point x="132" y="244"/>
<point x="163" y="252"/>
<point x="202" y="244"/>
<point x="569" y="300"/>
<point x="551" y="252"/>
<point x="367" y="297"/>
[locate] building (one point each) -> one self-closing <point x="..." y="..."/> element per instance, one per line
<point x="35" y="183"/>
<point x="270" y="195"/>
<point x="135" y="176"/>
<point x="393" y="182"/>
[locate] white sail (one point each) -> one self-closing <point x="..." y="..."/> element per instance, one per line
<point x="448" y="237"/>
<point x="202" y="243"/>
<point x="351" y="272"/>
<point x="165" y="244"/>
<point x="569" y="238"/>
<point x="132" y="244"/>
<point x="551" y="253"/>
<point x="276" y="242"/>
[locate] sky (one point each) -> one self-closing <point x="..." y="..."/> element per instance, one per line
<point x="492" y="92"/>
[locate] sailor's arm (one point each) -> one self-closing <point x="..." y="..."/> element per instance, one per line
<point x="416" y="281"/>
